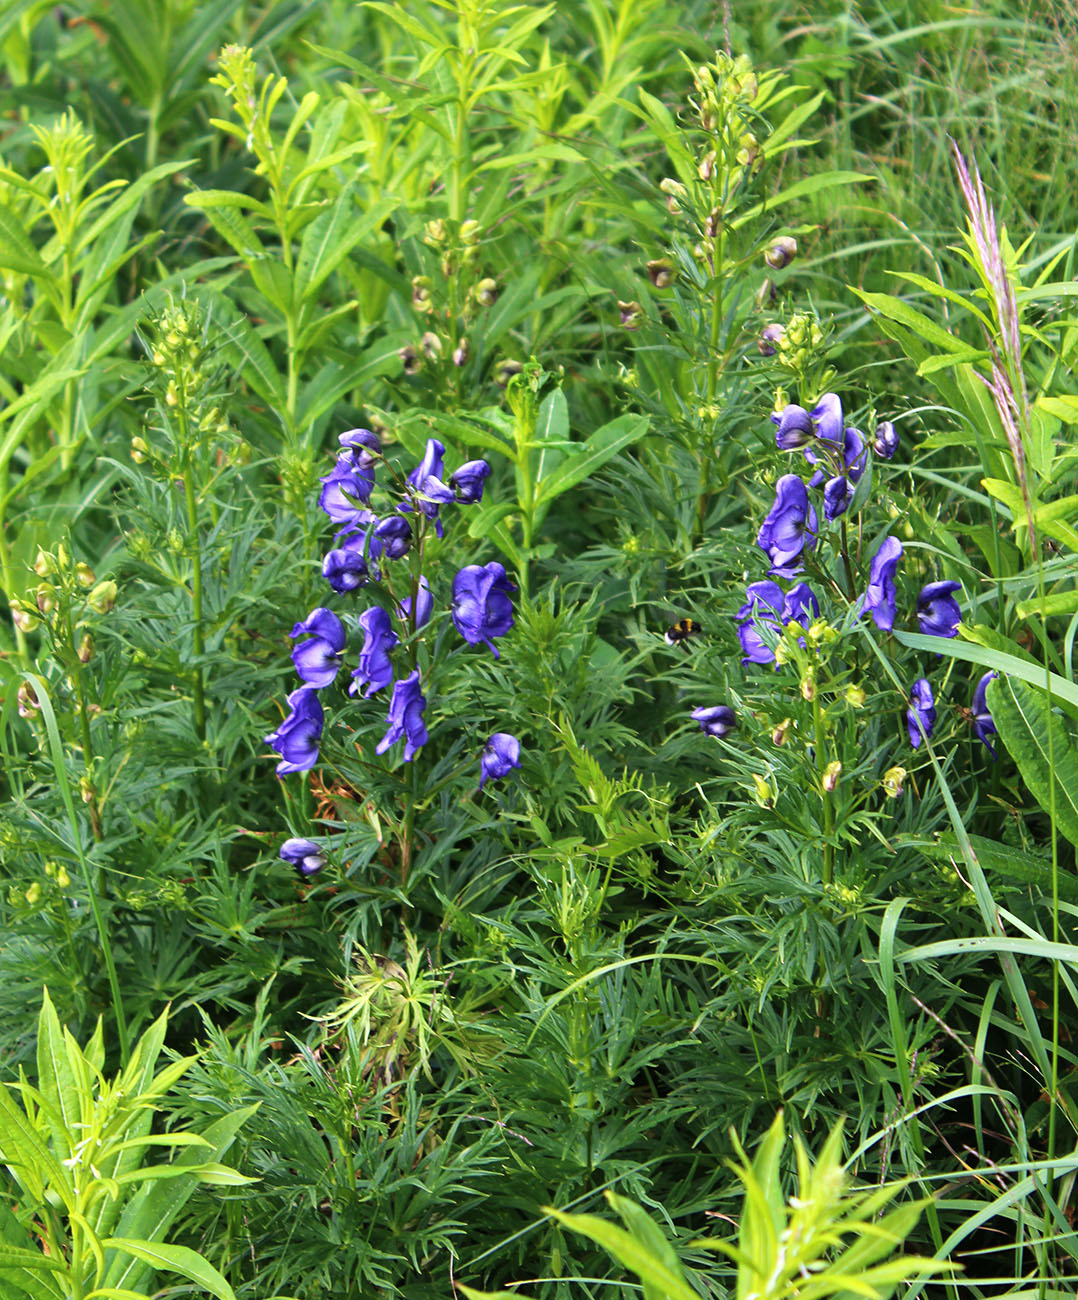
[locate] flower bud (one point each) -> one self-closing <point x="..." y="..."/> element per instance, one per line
<point x="767" y="295"/>
<point x="631" y="314"/>
<point x="33" y="893"/>
<point x="748" y="150"/>
<point x="103" y="597"/>
<point x="661" y="273"/>
<point x="470" y="232"/>
<point x="855" y="696"/>
<point x="62" y="878"/>
<point x="23" y="617"/>
<point x="507" y="370"/>
<point x="410" y="360"/>
<point x="139" y="449"/>
<point x="27" y="699"/>
<point x="769" y="339"/>
<point x="707" y="166"/>
<point x="831" y="774"/>
<point x="781" y="253"/>
<point x="421" y="299"/>
<point x="460" y="353"/>
<point x="86" y="649"/>
<point x="808" y="686"/>
<point x="778" y="736"/>
<point x="85" y="574"/>
<point x="763" y="792"/>
<point x="43" y="564"/>
<point x="431" y="345"/>
<point x="713" y="224"/>
<point x="434" y="233"/>
<point x="894" y="782"/>
<point x="86" y="789"/>
<point x="45" y="597"/>
<point x="486" y="292"/>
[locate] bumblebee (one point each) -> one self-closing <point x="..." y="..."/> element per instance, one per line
<point x="681" y="631"/>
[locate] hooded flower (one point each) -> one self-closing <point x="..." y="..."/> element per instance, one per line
<point x="763" y="607"/>
<point x="391" y="537"/>
<point x="885" y="444"/>
<point x="304" y="855"/>
<point x="921" y="715"/>
<point x="801" y="604"/>
<point x="345" y="568"/>
<point x="365" y="447"/>
<point x="344" y="486"/>
<point x="467" y="482"/>
<point x="424" y="605"/>
<point x="405" y="718"/>
<point x="500" y="755"/>
<point x="937" y="610"/>
<point x="794" y="427"/>
<point x="296" y="739"/>
<point x="983" y="726"/>
<point x="837" y="495"/>
<point x="717" y="720"/>
<point x="879" y="598"/>
<point x="827" y="414"/>
<point x="426" y="479"/>
<point x="318" y="658"/>
<point x="482" y="607"/>
<point x="790" y="526"/>
<point x="375" y="668"/>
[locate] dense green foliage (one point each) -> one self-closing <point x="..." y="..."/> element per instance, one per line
<point x="596" y="245"/>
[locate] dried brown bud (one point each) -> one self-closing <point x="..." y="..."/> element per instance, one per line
<point x="661" y="273"/>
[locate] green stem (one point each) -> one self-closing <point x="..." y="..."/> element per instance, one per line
<point x="21" y="647"/>
<point x="821" y="766"/>
<point x="196" y="585"/>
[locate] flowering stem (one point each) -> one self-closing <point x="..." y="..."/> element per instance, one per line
<point x="821" y="765"/>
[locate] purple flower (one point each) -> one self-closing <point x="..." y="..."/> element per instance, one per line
<point x="800" y="602"/>
<point x="424" y="605"/>
<point x="364" y="446"/>
<point x="921" y="715"/>
<point x="297" y="737"/>
<point x="879" y="598"/>
<point x="837" y="495"/>
<point x="983" y="726"/>
<point x="405" y="717"/>
<point x="828" y="417"/>
<point x="345" y="568"/>
<point x="426" y="480"/>
<point x="482" y="607"/>
<point x="789" y="527"/>
<point x="500" y="755"/>
<point x="761" y="597"/>
<point x="937" y="610"/>
<point x="430" y="466"/>
<point x="717" y="720"/>
<point x="794" y="427"/>
<point x="854" y="454"/>
<point x="375" y="669"/>
<point x="885" y="443"/>
<point x="467" y="481"/>
<point x="343" y="483"/>
<point x="304" y="855"/>
<point x="391" y="537"/>
<point x="318" y="659"/>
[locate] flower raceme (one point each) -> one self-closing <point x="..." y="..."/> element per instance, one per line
<point x="482" y="606"/>
<point x="766" y="606"/>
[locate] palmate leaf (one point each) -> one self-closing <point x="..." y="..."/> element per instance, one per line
<point x="1027" y="726"/>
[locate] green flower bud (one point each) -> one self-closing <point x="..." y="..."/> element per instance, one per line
<point x="781" y="253"/>
<point x="103" y="597"/>
<point x="661" y="273"/>
<point x="894" y="782"/>
<point x="831" y="774"/>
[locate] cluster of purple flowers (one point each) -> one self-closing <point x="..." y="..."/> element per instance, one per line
<point x="482" y="610"/>
<point x="921" y="714"/>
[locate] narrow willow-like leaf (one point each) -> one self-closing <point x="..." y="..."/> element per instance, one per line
<point x="602" y="446"/>
<point x="1025" y="722"/>
<point x="176" y="1259"/>
<point x="627" y="1250"/>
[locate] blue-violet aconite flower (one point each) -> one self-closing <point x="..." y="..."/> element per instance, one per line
<point x="921" y="715"/>
<point x="296" y="739"/>
<point x="344" y="486"/>
<point x="391" y="537"/>
<point x="885" y="443"/>
<point x="318" y="659"/>
<point x="364" y="446"/>
<point x="482" y="607"/>
<point x="763" y="607"/>
<point x="800" y="604"/>
<point x="937" y="610"/>
<point x="717" y="720"/>
<point x="879" y="598"/>
<point x="827" y="415"/>
<point x="345" y="567"/>
<point x="500" y="755"/>
<point x="790" y="526"/>
<point x="794" y="427"/>
<point x="983" y="726"/>
<point x="375" y="669"/>
<point x="467" y="482"/>
<point x="405" y="717"/>
<point x="304" y="855"/>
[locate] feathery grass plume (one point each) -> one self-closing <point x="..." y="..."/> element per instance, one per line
<point x="1008" y="382"/>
